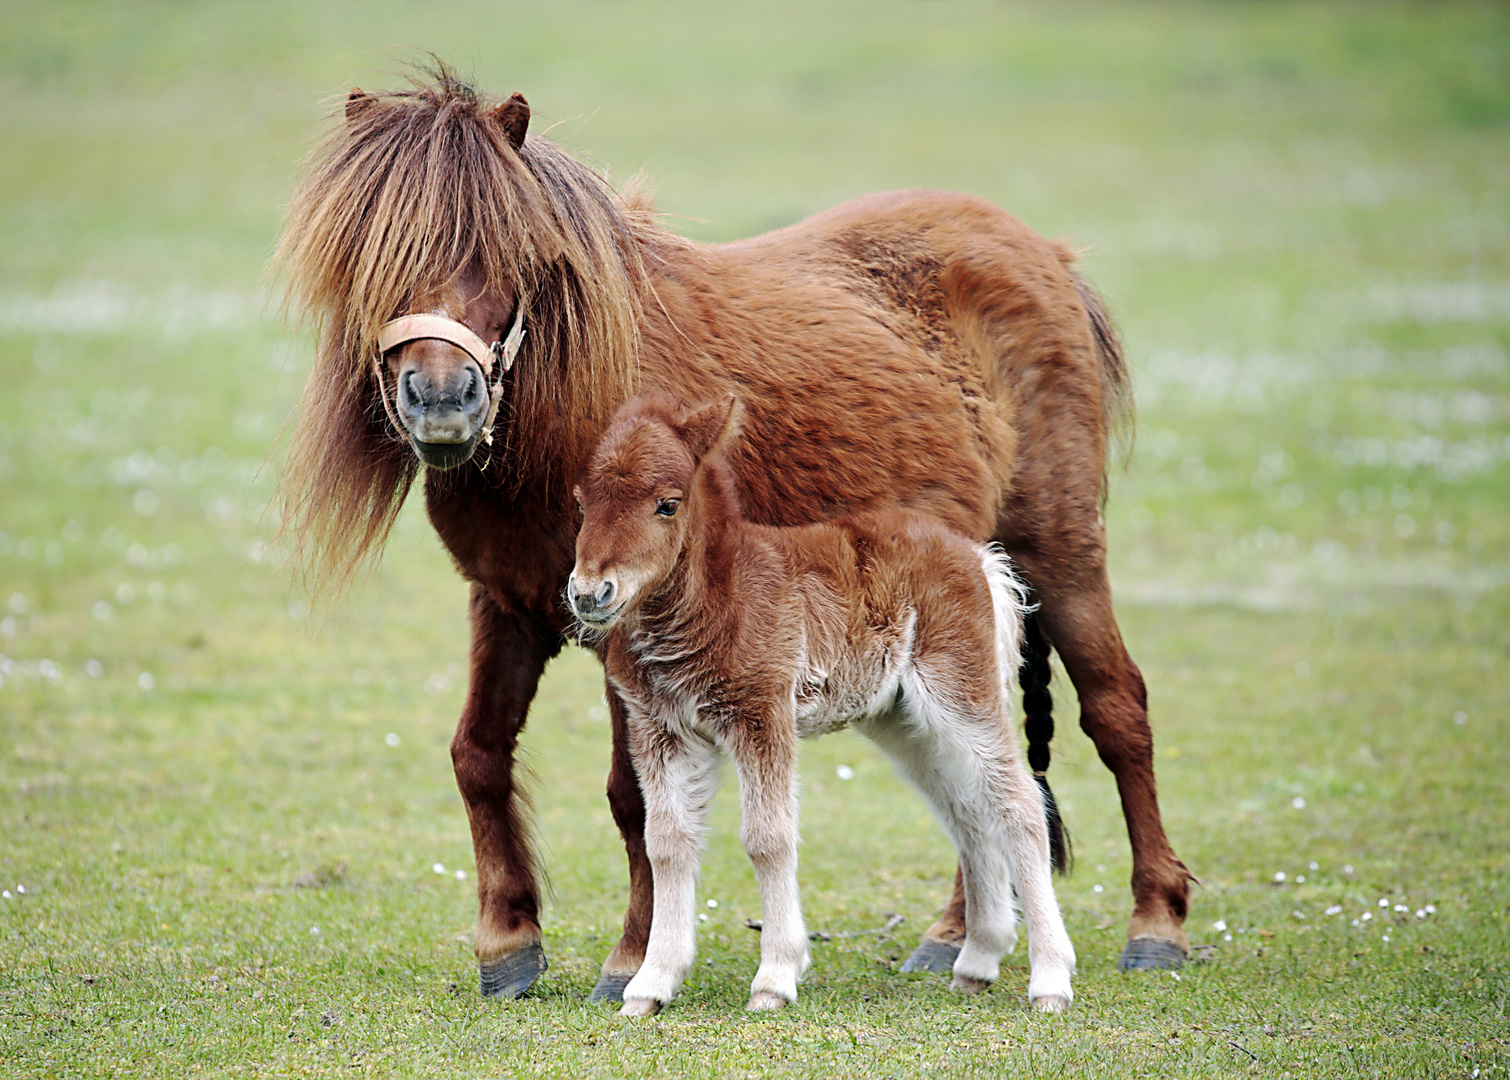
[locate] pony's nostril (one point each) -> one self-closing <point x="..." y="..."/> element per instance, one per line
<point x="605" y="594"/>
<point x="470" y="394"/>
<point x="408" y="395"/>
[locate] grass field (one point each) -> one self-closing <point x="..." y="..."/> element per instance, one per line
<point x="229" y="839"/>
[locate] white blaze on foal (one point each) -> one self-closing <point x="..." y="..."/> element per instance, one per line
<point x="727" y="637"/>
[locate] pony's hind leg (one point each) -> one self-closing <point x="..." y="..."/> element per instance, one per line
<point x="678" y="777"/>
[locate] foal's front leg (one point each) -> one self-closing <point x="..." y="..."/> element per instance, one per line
<point x="678" y="778"/>
<point x="765" y="757"/>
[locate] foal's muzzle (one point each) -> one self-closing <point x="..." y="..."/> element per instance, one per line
<point x="593" y="602"/>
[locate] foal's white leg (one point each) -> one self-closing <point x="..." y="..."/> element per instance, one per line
<point x="967" y="769"/>
<point x="677" y="781"/>
<point x="768" y="798"/>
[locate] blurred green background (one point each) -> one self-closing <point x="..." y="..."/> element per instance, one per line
<point x="229" y="838"/>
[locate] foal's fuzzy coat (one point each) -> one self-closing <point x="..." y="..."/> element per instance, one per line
<point x="723" y="635"/>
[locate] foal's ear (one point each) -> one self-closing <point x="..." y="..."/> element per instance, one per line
<point x="514" y="117"/>
<point x="357" y="103"/>
<point x="707" y="426"/>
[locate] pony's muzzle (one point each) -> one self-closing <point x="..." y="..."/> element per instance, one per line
<point x="442" y="407"/>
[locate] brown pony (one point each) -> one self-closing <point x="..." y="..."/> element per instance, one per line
<point x="721" y="636"/>
<point x="916" y="349"/>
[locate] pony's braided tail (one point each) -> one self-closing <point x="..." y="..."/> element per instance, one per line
<point x="1038" y="703"/>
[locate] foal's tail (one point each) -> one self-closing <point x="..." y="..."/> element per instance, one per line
<point x="1022" y="648"/>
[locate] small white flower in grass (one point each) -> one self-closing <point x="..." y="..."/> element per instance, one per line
<point x="1314" y="866"/>
<point x="1219" y="925"/>
<point x="1280" y="875"/>
<point x="1348" y="869"/>
<point x="702" y="916"/>
<point x="439" y="868"/>
<point x="1384" y="937"/>
<point x="1097" y="888"/>
<point x="6" y="894"/>
<point x="392" y="739"/>
<point x="1335" y="909"/>
<point x="1383" y="902"/>
<point x="1226" y="937"/>
<point x="1298" y="802"/>
<point x="1420" y="913"/>
<point x="713" y="903"/>
<point x="21" y="889"/>
<point x="1430" y="909"/>
<point x="844" y="772"/>
<point x="1297" y="913"/>
<point x="1356" y="923"/>
<point x="461" y="875"/>
<point x="1300" y="879"/>
<point x="1402" y="907"/>
<point x="146" y="681"/>
<point x="314" y="929"/>
<point x="1366" y="916"/>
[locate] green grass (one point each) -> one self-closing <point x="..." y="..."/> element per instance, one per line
<point x="1299" y="215"/>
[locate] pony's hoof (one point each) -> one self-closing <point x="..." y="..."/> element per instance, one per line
<point x="967" y="985"/>
<point x="640" y="1007"/>
<point x="765" y="1001"/>
<point x="1050" y="1003"/>
<point x="510" y="976"/>
<point x="1151" y="954"/>
<point x="934" y="956"/>
<point x="610" y="988"/>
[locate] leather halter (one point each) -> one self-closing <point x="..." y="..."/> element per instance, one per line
<point x="500" y="354"/>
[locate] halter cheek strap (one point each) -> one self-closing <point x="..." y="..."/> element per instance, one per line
<point x="500" y="354"/>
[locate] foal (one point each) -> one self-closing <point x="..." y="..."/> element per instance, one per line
<point x="722" y="635"/>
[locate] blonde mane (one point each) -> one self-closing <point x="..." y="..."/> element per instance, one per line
<point x="404" y="193"/>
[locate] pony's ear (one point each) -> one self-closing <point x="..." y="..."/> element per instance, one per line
<point x="710" y="425"/>
<point x="514" y="117"/>
<point x="357" y="103"/>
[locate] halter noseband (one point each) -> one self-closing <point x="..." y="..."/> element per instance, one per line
<point x="500" y="354"/>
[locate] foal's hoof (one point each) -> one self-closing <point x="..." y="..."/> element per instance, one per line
<point x="610" y="987"/>
<point x="966" y="985"/>
<point x="640" y="1007"/>
<point x="1151" y="954"/>
<point x="510" y="976"/>
<point x="1050" y="1003"/>
<point x="765" y="1001"/>
<point x="932" y="955"/>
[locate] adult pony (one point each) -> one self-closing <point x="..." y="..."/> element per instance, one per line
<point x="918" y="349"/>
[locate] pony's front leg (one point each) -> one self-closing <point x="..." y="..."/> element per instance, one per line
<point x="678" y="778"/>
<point x="509" y="652"/>
<point x="766" y="761"/>
<point x="627" y="804"/>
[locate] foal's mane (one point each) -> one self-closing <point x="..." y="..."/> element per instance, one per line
<point x="405" y="192"/>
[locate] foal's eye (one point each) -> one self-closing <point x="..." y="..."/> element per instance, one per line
<point x="667" y="507"/>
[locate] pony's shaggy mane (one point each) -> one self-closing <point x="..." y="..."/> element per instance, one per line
<point x="404" y="193"/>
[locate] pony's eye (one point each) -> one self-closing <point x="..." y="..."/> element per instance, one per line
<point x="667" y="507"/>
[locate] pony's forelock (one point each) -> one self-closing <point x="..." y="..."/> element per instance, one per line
<point x="404" y="193"/>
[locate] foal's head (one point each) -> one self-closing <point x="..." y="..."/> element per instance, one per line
<point x="639" y="503"/>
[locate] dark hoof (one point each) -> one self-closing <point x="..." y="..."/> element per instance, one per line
<point x="934" y="956"/>
<point x="1151" y="954"/>
<point x="510" y="976"/>
<point x="610" y="988"/>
